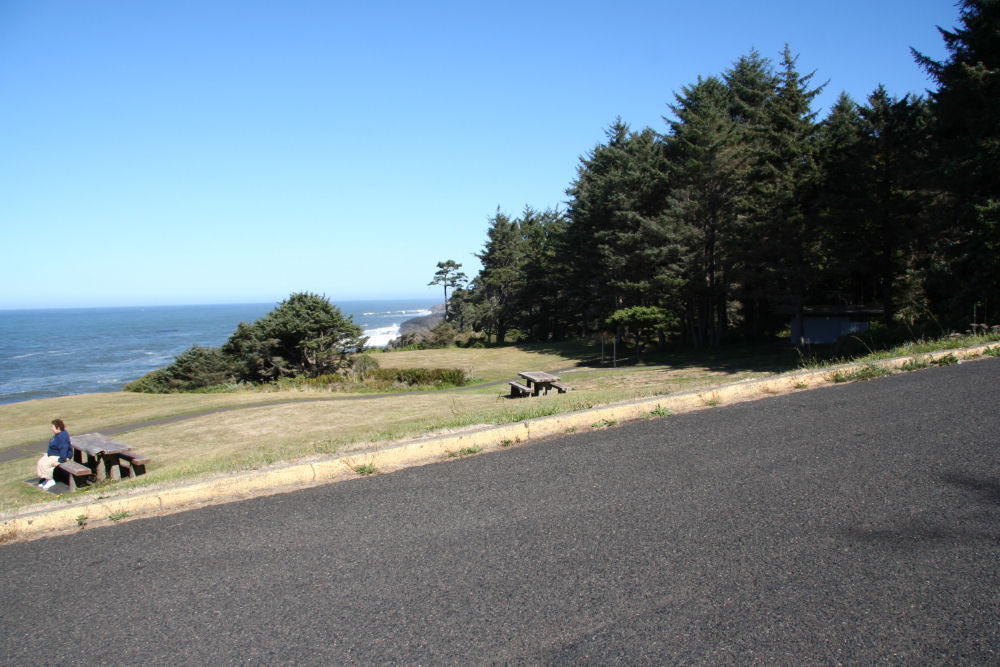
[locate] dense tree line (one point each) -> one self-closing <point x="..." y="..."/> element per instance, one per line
<point x="746" y="207"/>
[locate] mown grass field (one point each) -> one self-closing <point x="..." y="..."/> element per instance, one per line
<point x="276" y="426"/>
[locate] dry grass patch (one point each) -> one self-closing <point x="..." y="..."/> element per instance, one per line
<point x="498" y="363"/>
<point x="28" y="421"/>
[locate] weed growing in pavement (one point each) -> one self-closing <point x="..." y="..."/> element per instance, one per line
<point x="365" y="469"/>
<point x="915" y="365"/>
<point x="992" y="351"/>
<point x="866" y="372"/>
<point x="711" y="400"/>
<point x="659" y="411"/>
<point x="466" y="451"/>
<point x="81" y="521"/>
<point x="946" y="360"/>
<point x="605" y="423"/>
<point x="117" y="516"/>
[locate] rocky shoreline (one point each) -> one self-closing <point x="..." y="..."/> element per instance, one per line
<point x="424" y="323"/>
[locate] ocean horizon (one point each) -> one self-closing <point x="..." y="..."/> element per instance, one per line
<point x="49" y="352"/>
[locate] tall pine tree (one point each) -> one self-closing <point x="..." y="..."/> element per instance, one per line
<point x="966" y="108"/>
<point x="706" y="166"/>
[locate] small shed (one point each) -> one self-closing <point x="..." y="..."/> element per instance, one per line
<point x="818" y="325"/>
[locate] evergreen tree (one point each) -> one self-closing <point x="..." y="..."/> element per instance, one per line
<point x="706" y="166"/>
<point x="790" y="186"/>
<point x="304" y="335"/>
<point x="966" y="108"/>
<point x="541" y="315"/>
<point x="593" y="201"/>
<point x="752" y="86"/>
<point x="622" y="245"/>
<point x="892" y="226"/>
<point x="842" y="270"/>
<point x="448" y="276"/>
<point x="501" y="279"/>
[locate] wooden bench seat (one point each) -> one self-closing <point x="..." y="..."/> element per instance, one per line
<point x="561" y="388"/>
<point x="517" y="389"/>
<point x="73" y="471"/>
<point x="134" y="462"/>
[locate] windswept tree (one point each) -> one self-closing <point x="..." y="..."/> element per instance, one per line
<point x="449" y="277"/>
<point x="305" y="335"/>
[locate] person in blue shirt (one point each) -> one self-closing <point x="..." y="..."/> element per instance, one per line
<point x="60" y="450"/>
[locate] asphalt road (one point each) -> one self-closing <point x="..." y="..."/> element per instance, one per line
<point x="851" y="524"/>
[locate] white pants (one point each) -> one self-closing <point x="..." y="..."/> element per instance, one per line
<point x="46" y="465"/>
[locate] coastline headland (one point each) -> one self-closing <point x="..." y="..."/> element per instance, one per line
<point x="424" y="323"/>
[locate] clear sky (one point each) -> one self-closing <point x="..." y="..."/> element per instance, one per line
<point x="214" y="151"/>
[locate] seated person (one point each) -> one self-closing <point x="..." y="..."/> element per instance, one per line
<point x="60" y="450"/>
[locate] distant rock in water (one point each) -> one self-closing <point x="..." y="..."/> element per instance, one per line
<point x="424" y="323"/>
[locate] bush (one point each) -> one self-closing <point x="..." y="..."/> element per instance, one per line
<point x="409" y="341"/>
<point x="195" y="368"/>
<point x="443" y="335"/>
<point x="414" y="377"/>
<point x="363" y="366"/>
<point x="153" y="382"/>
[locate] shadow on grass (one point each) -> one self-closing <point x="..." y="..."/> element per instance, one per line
<point x="774" y="355"/>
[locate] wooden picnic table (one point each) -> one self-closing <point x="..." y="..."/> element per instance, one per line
<point x="102" y="454"/>
<point x="540" y="381"/>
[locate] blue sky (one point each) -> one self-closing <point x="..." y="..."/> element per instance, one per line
<point x="207" y="151"/>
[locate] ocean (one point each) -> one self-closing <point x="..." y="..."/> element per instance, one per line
<point x="60" y="352"/>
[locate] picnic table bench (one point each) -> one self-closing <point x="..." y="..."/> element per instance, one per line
<point x="100" y="457"/>
<point x="73" y="472"/>
<point x="536" y="382"/>
<point x="517" y="389"/>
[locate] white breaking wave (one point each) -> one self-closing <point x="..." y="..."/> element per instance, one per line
<point x="419" y="312"/>
<point x="381" y="336"/>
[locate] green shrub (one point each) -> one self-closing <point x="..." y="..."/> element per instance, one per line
<point x="416" y="377"/>
<point x="363" y="366"/>
<point x="153" y="382"/>
<point x="194" y="369"/>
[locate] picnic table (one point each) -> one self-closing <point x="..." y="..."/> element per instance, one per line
<point x="103" y="455"/>
<point x="541" y="382"/>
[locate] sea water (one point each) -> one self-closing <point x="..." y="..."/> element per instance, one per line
<point x="60" y="352"/>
